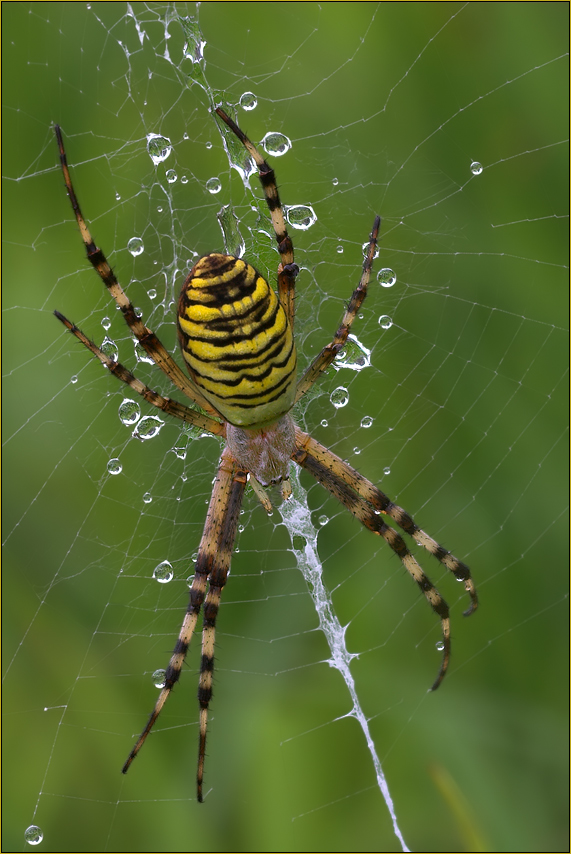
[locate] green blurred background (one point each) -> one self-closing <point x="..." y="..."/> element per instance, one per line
<point x="387" y="106"/>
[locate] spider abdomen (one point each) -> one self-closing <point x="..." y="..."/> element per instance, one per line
<point x="236" y="341"/>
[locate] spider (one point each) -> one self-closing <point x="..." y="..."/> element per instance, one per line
<point x="236" y="338"/>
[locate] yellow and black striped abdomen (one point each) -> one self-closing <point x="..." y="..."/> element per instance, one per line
<point x="236" y="341"/>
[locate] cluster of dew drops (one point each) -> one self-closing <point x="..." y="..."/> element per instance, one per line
<point x="355" y="356"/>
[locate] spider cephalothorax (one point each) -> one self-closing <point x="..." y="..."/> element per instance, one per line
<point x="236" y="336"/>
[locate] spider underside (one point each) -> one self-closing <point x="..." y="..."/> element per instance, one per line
<point x="236" y="337"/>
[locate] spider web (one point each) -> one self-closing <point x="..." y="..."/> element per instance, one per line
<point x="453" y="398"/>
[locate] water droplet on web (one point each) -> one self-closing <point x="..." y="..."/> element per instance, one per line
<point x="339" y="250"/>
<point x="147" y="497"/>
<point x="147" y="428"/>
<point x="301" y="216"/>
<point x="114" y="466"/>
<point x="208" y="146"/>
<point x="73" y="379"/>
<point x="365" y="249"/>
<point x="233" y="240"/>
<point x="386" y="470"/>
<point x="163" y="572"/>
<point x="158" y="678"/>
<point x="109" y="347"/>
<point x="354" y="355"/>
<point x="152" y="293"/>
<point x="106" y="323"/>
<point x="184" y="180"/>
<point x="248" y="101"/>
<point x="276" y="144"/>
<point x="335" y="181"/>
<point x="213" y="185"/>
<point x="323" y="520"/>
<point x="357" y="451"/>
<point x="194" y="45"/>
<point x="241" y="529"/>
<point x="33" y="834"/>
<point x="339" y="397"/>
<point x="118" y="197"/>
<point x="476" y="168"/>
<point x="180" y="451"/>
<point x="324" y="422"/>
<point x="386" y="277"/>
<point x="440" y="646"/>
<point x="129" y="412"/>
<point x="385" y="322"/>
<point x="367" y="421"/>
<point x="159" y="147"/>
<point x="171" y="176"/>
<point x="136" y="246"/>
<point x="141" y="355"/>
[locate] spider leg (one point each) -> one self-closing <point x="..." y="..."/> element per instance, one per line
<point x="367" y="503"/>
<point x="212" y="566"/>
<point x="287" y="270"/>
<point x="167" y="404"/>
<point x="145" y="336"/>
<point x="331" y="350"/>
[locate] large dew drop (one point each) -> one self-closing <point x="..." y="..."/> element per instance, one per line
<point x="159" y="147"/>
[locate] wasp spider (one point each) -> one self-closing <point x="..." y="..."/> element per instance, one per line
<point x="236" y="337"/>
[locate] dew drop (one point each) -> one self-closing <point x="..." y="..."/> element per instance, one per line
<point x="184" y="180"/>
<point x="147" y="428"/>
<point x="386" y="277"/>
<point x="324" y="422"/>
<point x="339" y="397"/>
<point x="440" y="646"/>
<point x="276" y="144"/>
<point x="163" y="573"/>
<point x="208" y="146"/>
<point x="106" y="323"/>
<point x="357" y="451"/>
<point x="136" y="246"/>
<point x="354" y="355"/>
<point x="365" y="249"/>
<point x="385" y="322"/>
<point x="147" y="498"/>
<point x="386" y="470"/>
<point x="367" y="421"/>
<point x="323" y="520"/>
<point x="339" y="250"/>
<point x="233" y="240"/>
<point x="476" y="168"/>
<point x="248" y="101"/>
<point x="335" y="181"/>
<point x="129" y="412"/>
<point x="33" y="834"/>
<point x="152" y="293"/>
<point x="171" y="176"/>
<point x="301" y="216"/>
<point x="194" y="45"/>
<point x="213" y="185"/>
<point x="141" y="355"/>
<point x="114" y="466"/>
<point x="158" y="678"/>
<point x="109" y="347"/>
<point x="159" y="147"/>
<point x="73" y="379"/>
